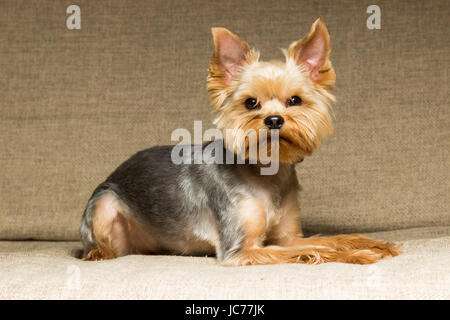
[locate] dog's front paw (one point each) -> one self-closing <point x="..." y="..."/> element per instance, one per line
<point x="357" y="241"/>
<point x="364" y="256"/>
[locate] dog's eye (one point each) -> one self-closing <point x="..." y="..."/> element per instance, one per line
<point x="252" y="103"/>
<point x="294" y="101"/>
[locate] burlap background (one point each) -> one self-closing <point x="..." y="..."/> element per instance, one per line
<point x="75" y="104"/>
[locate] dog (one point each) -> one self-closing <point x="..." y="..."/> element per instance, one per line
<point x="150" y="205"/>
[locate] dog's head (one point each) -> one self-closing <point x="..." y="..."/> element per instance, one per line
<point x="291" y="96"/>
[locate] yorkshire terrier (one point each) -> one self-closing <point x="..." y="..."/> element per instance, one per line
<point x="150" y="205"/>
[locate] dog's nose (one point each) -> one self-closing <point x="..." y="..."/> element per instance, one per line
<point x="274" y="122"/>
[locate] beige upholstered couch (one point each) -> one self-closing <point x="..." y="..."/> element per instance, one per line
<point x="74" y="104"/>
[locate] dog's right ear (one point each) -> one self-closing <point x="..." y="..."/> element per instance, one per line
<point x="230" y="52"/>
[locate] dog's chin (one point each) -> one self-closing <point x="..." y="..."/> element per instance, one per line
<point x="291" y="151"/>
<point x="291" y="155"/>
<point x="288" y="151"/>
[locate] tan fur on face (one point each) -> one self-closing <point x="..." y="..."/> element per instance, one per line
<point x="272" y="84"/>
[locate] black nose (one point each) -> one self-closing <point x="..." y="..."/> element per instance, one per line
<point x="274" y="122"/>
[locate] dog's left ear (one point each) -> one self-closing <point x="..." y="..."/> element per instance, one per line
<point x="313" y="52"/>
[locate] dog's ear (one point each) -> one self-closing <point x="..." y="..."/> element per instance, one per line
<point x="230" y="52"/>
<point x="313" y="52"/>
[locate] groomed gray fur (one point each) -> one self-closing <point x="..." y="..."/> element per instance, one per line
<point x="171" y="201"/>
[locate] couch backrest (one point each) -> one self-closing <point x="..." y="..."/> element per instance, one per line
<point x="74" y="104"/>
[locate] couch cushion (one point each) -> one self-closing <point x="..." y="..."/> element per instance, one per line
<point x="75" y="104"/>
<point x="51" y="270"/>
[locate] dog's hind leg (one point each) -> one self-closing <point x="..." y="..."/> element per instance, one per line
<point x="105" y="228"/>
